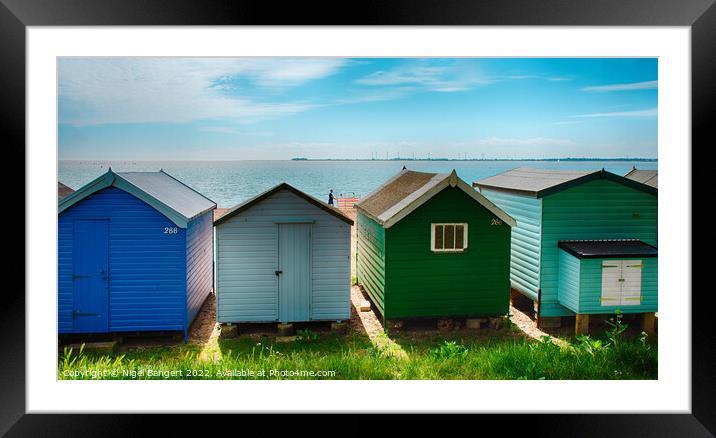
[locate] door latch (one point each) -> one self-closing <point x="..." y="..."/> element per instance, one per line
<point x="278" y="273"/>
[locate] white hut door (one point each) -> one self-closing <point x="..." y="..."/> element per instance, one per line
<point x="621" y="282"/>
<point x="611" y="284"/>
<point x="631" y="284"/>
<point x="294" y="272"/>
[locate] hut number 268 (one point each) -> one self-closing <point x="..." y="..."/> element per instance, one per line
<point x="170" y="230"/>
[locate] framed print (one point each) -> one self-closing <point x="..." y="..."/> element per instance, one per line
<point x="258" y="213"/>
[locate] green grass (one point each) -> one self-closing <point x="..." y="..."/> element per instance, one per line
<point x="502" y="354"/>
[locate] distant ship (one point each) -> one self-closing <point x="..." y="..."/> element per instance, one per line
<point x="299" y="159"/>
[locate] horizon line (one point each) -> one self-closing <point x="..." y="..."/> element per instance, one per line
<point x="372" y="159"/>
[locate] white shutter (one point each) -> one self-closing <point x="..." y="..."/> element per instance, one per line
<point x="631" y="286"/>
<point x="611" y="286"/>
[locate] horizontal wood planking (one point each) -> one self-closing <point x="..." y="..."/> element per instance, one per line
<point x="370" y="262"/>
<point x="525" y="246"/>
<point x="591" y="288"/>
<point x="568" y="289"/>
<point x="599" y="209"/>
<point x="247" y="258"/>
<point x="200" y="258"/>
<point x="422" y="283"/>
<point x="147" y="267"/>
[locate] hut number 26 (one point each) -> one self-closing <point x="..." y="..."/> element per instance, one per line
<point x="170" y="230"/>
<point x="496" y="222"/>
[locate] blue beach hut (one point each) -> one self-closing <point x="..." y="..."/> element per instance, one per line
<point x="135" y="253"/>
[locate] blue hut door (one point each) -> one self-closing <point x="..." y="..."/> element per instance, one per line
<point x="90" y="276"/>
<point x="294" y="272"/>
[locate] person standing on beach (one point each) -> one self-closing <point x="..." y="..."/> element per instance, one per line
<point x="330" y="197"/>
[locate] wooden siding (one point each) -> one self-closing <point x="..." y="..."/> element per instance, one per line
<point x="370" y="258"/>
<point x="568" y="288"/>
<point x="422" y="283"/>
<point x="147" y="267"/>
<point x="590" y="286"/>
<point x="200" y="258"/>
<point x="525" y="246"/>
<point x="247" y="258"/>
<point x="599" y="209"/>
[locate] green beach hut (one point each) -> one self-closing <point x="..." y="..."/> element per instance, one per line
<point x="585" y="241"/>
<point x="429" y="245"/>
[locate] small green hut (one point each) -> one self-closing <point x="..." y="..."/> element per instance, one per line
<point x="429" y="245"/>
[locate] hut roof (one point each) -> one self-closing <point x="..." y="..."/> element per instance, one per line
<point x="408" y="190"/>
<point x="171" y="197"/>
<point x="170" y="191"/>
<point x="543" y="182"/>
<point x="229" y="213"/>
<point x="220" y="212"/>
<point x="648" y="177"/>
<point x="585" y="249"/>
<point x="63" y="190"/>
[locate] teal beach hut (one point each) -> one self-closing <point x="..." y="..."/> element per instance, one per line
<point x="585" y="241"/>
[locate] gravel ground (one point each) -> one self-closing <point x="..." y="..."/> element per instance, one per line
<point x="204" y="327"/>
<point x="528" y="326"/>
<point x="366" y="322"/>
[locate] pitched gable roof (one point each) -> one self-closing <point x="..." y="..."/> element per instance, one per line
<point x="283" y="186"/>
<point x="63" y="190"/>
<point x="408" y="190"/>
<point x="174" y="199"/>
<point x="543" y="182"/>
<point x="648" y="177"/>
<point x="170" y="191"/>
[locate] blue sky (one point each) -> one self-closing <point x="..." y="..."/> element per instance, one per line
<point x="279" y="108"/>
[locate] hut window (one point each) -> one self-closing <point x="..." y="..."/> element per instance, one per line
<point x="448" y="237"/>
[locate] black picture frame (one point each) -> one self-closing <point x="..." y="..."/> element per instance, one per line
<point x="16" y="15"/>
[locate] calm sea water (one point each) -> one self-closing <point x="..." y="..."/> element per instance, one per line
<point x="231" y="182"/>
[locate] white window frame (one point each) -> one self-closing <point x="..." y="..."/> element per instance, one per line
<point x="444" y="224"/>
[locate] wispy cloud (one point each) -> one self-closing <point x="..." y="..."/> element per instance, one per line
<point x="220" y="129"/>
<point x="443" y="77"/>
<point x="651" y="112"/>
<point x="379" y="95"/>
<point x="647" y="85"/>
<point x="439" y="78"/>
<point x="175" y="90"/>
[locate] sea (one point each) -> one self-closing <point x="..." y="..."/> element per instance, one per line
<point x="230" y="182"/>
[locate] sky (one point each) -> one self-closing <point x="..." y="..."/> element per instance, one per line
<point x="280" y="108"/>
